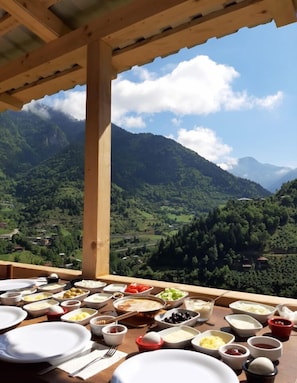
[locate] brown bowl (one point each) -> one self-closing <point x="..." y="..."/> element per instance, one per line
<point x="146" y="306"/>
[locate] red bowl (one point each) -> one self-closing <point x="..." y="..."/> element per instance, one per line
<point x="280" y="327"/>
<point x="55" y="316"/>
<point x="145" y="346"/>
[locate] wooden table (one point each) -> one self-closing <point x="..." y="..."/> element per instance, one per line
<point x="27" y="373"/>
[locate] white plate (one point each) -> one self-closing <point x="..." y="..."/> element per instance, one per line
<point x="16" y="284"/>
<point x="173" y="366"/>
<point x="11" y="316"/>
<point x="43" y="342"/>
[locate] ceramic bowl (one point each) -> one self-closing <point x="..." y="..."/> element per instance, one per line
<point x="176" y="317"/>
<point x="210" y="341"/>
<point x="93" y="286"/>
<point x="11" y="298"/>
<point x="81" y="316"/>
<point x="138" y="289"/>
<point x="178" y="337"/>
<point x="202" y="305"/>
<point x="280" y="327"/>
<point x="36" y="309"/>
<point x="253" y="377"/>
<point x="149" y="342"/>
<point x="97" y="300"/>
<point x="168" y="294"/>
<point x="234" y="355"/>
<point x="97" y="325"/>
<point x="53" y="315"/>
<point x="244" y="325"/>
<point x="73" y="293"/>
<point x="71" y="304"/>
<point x="37" y="297"/>
<point x="52" y="287"/>
<point x="259" y="311"/>
<point x="114" y="335"/>
<point x="267" y="346"/>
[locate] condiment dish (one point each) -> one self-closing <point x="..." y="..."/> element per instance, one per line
<point x="93" y="286"/>
<point x="280" y="327"/>
<point x="234" y="355"/>
<point x="178" y="337"/>
<point x="210" y="341"/>
<point x="259" y="311"/>
<point x="244" y="325"/>
<point x="260" y="345"/>
<point x="11" y="298"/>
<point x="176" y="317"/>
<point x="81" y="316"/>
<point x="114" y="335"/>
<point x="71" y="304"/>
<point x="97" y="300"/>
<point x="98" y="322"/>
<point x="173" y="297"/>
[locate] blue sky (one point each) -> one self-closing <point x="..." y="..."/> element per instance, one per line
<point x="226" y="99"/>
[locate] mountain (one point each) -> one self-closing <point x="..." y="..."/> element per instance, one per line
<point x="43" y="152"/>
<point x="271" y="177"/>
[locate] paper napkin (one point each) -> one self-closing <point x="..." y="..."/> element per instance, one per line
<point x="79" y="361"/>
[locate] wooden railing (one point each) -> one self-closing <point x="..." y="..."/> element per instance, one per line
<point x="22" y="270"/>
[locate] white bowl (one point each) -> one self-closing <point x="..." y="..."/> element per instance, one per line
<point x="71" y="304"/>
<point x="97" y="300"/>
<point x="37" y="297"/>
<point x="167" y="294"/>
<point x="115" y="287"/>
<point x="93" y="285"/>
<point x="96" y="326"/>
<point x="73" y="293"/>
<point x="36" y="309"/>
<point x="114" y="334"/>
<point x="239" y="355"/>
<point x="81" y="316"/>
<point x="11" y="298"/>
<point x="259" y="311"/>
<point x="273" y="353"/>
<point x="215" y="339"/>
<point x="244" y="325"/>
<point x="52" y="287"/>
<point x="178" y="337"/>
<point x="139" y="293"/>
<point x="161" y="318"/>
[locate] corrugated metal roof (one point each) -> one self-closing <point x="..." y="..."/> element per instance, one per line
<point x="43" y="42"/>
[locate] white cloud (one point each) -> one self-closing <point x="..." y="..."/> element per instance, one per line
<point x="199" y="86"/>
<point x="208" y="145"/>
<point x="38" y="109"/>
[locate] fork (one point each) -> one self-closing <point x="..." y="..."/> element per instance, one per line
<point x="109" y="353"/>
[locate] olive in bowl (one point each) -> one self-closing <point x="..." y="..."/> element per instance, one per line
<point x="280" y="327"/>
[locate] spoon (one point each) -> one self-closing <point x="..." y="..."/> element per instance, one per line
<point x="220" y="296"/>
<point x="118" y="318"/>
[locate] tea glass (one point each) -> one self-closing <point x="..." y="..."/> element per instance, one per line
<point x="202" y="305"/>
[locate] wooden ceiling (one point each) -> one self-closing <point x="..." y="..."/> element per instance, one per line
<point x="43" y="42"/>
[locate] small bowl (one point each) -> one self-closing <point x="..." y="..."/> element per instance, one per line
<point x="37" y="297"/>
<point x="267" y="346"/>
<point x="55" y="316"/>
<point x="174" y="318"/>
<point x="234" y="355"/>
<point x="280" y="327"/>
<point x="53" y="278"/>
<point x="36" y="309"/>
<point x="244" y="325"/>
<point x="93" y="286"/>
<point x="52" y="287"/>
<point x="97" y="300"/>
<point x="258" y="311"/>
<point x="202" y="305"/>
<point x="73" y="293"/>
<point x="258" y="378"/>
<point x="138" y="289"/>
<point x="114" y="288"/>
<point x="11" y="298"/>
<point x="178" y="337"/>
<point x="97" y="325"/>
<point x="114" y="335"/>
<point x="210" y="341"/>
<point x="147" y="345"/>
<point x="81" y="316"/>
<point x="166" y="295"/>
<point x="71" y="304"/>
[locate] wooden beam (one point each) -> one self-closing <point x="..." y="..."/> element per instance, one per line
<point x="96" y="240"/>
<point x="36" y="17"/>
<point x="282" y="11"/>
<point x="116" y="20"/>
<point x="10" y="101"/>
<point x="7" y="23"/>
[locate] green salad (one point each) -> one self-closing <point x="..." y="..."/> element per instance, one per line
<point x="171" y="294"/>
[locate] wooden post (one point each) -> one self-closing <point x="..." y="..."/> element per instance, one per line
<point x="97" y="190"/>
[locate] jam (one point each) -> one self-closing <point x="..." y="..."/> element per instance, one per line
<point x="234" y="351"/>
<point x="264" y="345"/>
